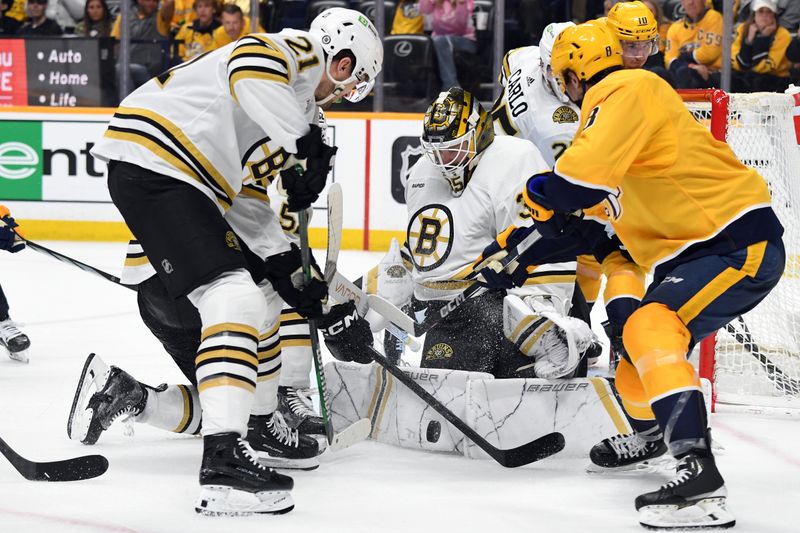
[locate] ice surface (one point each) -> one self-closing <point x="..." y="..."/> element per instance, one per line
<point x="152" y="481"/>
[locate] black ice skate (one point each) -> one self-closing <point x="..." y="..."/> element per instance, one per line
<point x="14" y="341"/>
<point x="279" y="446"/>
<point x="117" y="394"/>
<point x="233" y="483"/>
<point x="629" y="452"/>
<point x="694" y="499"/>
<point x="296" y="408"/>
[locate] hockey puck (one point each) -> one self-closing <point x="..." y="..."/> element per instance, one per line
<point x="434" y="431"/>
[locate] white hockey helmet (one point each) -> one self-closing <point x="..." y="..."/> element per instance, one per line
<point x="340" y="29"/>
<point x="549" y="35"/>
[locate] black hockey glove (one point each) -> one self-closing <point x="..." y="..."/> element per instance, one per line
<point x="8" y="239"/>
<point x="306" y="180"/>
<point x="285" y="272"/>
<point x="488" y="277"/>
<point x="347" y="335"/>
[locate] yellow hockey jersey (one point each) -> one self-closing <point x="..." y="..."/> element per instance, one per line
<point x="672" y="191"/>
<point x="703" y="39"/>
<point x="773" y="62"/>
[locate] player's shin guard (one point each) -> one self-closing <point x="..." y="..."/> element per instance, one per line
<point x="173" y="408"/>
<point x="295" y="349"/>
<point x="232" y="308"/>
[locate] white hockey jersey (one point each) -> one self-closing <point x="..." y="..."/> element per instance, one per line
<point x="202" y="122"/>
<point x="445" y="233"/>
<point x="527" y="107"/>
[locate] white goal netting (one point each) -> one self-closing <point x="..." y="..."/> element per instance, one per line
<point x="755" y="361"/>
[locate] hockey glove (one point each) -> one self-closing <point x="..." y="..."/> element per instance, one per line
<point x="285" y="272"/>
<point x="8" y="239"/>
<point x="305" y="180"/>
<point x="549" y="222"/>
<point x="489" y="273"/>
<point x="346" y="334"/>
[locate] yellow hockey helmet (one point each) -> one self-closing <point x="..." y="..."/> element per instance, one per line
<point x="585" y="49"/>
<point x="632" y="21"/>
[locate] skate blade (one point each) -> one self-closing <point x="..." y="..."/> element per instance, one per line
<point x="311" y="463"/>
<point x="709" y="513"/>
<point x="93" y="378"/>
<point x="659" y="465"/>
<point x="217" y="500"/>
<point x="21" y="356"/>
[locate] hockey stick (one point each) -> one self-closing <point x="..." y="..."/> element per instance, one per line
<point x="535" y="450"/>
<point x="76" y="469"/>
<point x="324" y="401"/>
<point x="335" y="220"/>
<point x="406" y="323"/>
<point x="779" y="379"/>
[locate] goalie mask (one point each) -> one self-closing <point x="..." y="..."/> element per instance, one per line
<point x="340" y="29"/>
<point x="549" y="35"/>
<point x="455" y="131"/>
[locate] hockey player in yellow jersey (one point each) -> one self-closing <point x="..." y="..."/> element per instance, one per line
<point x="693" y="215"/>
<point x="181" y="150"/>
<point x="694" y="46"/>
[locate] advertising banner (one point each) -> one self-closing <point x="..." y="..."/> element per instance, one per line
<point x="13" y="73"/>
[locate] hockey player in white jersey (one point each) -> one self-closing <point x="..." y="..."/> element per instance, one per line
<point x="176" y="149"/>
<point x="532" y="106"/>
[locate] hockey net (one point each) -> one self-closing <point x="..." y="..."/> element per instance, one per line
<point x="754" y="363"/>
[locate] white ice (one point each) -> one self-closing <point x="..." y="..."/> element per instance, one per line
<point x="151" y="484"/>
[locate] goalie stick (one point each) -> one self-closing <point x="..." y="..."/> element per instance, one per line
<point x="535" y="450"/>
<point x="417" y="329"/>
<point x="75" y="469"/>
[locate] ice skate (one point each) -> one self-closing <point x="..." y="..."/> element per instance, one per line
<point x="694" y="499"/>
<point x="278" y="446"/>
<point x="233" y="483"/>
<point x="631" y="452"/>
<point x="296" y="407"/>
<point x="117" y="394"/>
<point x="14" y="341"/>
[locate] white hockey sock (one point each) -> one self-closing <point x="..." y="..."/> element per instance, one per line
<point x="269" y="371"/>
<point x="295" y="350"/>
<point x="176" y="409"/>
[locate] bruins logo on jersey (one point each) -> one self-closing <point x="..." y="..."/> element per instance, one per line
<point x="232" y="241"/>
<point x="430" y="236"/>
<point x="564" y="114"/>
<point x="439" y="351"/>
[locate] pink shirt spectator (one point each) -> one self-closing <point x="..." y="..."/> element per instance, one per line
<point x="450" y="17"/>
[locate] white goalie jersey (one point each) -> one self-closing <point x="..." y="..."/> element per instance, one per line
<point x="528" y="107"/>
<point x="446" y="234"/>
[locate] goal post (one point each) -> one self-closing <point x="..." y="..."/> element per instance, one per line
<point x="754" y="363"/>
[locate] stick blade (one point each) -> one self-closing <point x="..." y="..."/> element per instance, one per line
<point x="77" y="469"/>
<point x="352" y="434"/>
<point x="533" y="451"/>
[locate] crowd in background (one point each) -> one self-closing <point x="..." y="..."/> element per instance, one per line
<point x="765" y="52"/>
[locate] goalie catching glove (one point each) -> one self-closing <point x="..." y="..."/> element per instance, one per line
<point x="285" y="272"/>
<point x="347" y="335"/>
<point x="8" y="239"/>
<point x="308" y="169"/>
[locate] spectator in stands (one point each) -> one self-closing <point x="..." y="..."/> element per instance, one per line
<point x="11" y="19"/>
<point x="66" y="13"/>
<point x="759" y="51"/>
<point x="197" y="37"/>
<point x="655" y="63"/>
<point x="694" y="46"/>
<point x="175" y="13"/>
<point x="234" y="25"/>
<point x="38" y="25"/>
<point x="452" y="32"/>
<point x="407" y="18"/>
<point x="788" y="13"/>
<point x="96" y="20"/>
<point x="145" y="55"/>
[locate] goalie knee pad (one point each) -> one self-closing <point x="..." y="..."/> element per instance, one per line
<point x="540" y="329"/>
<point x="657" y="342"/>
<point x="232" y="309"/>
